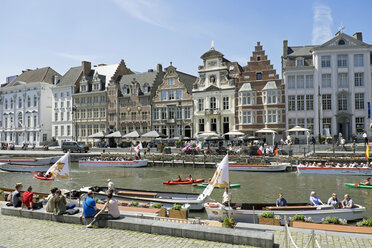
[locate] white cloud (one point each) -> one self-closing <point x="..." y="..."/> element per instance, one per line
<point x="152" y="12"/>
<point x="78" y="57"/>
<point x="322" y="26"/>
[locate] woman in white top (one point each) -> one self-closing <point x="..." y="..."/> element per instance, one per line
<point x="112" y="208"/>
<point x="226" y="198"/>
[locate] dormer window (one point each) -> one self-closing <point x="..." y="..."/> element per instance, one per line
<point x="146" y="88"/>
<point x="258" y="76"/>
<point x="96" y="86"/>
<point x="83" y="88"/>
<point x="299" y="62"/>
<point x="171" y="81"/>
<point x="126" y="90"/>
<point x="258" y="58"/>
<point x="341" y="42"/>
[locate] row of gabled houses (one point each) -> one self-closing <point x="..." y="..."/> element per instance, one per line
<point x="326" y="88"/>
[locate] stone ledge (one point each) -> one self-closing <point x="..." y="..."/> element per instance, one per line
<point x="225" y="235"/>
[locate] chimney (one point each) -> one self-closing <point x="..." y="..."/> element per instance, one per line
<point x="358" y="36"/>
<point x="285" y="48"/>
<point x="159" y="68"/>
<point x="86" y="67"/>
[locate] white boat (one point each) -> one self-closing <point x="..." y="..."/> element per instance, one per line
<point x="23" y="168"/>
<point x="124" y="163"/>
<point x="248" y="213"/>
<point x="30" y="161"/>
<point x="347" y="171"/>
<point x="259" y="167"/>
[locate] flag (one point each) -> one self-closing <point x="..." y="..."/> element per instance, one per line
<point x="276" y="150"/>
<point x="61" y="168"/>
<point x="367" y="150"/>
<point x="186" y="148"/>
<point x="260" y="151"/>
<point x="199" y="146"/>
<point x="138" y="147"/>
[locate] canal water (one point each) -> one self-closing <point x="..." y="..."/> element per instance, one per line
<point x="256" y="187"/>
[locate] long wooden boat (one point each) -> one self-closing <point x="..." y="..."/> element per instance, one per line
<point x="24" y="168"/>
<point x="30" y="161"/>
<point x="167" y="199"/>
<point x="356" y="185"/>
<point x="124" y="163"/>
<point x="259" y="167"/>
<point x="347" y="171"/>
<point x="250" y="212"/>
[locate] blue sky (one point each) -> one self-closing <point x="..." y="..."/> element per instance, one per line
<point x="60" y="34"/>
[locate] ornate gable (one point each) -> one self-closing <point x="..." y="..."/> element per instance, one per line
<point x="343" y="40"/>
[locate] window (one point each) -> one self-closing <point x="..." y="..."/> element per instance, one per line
<point x="212" y="79"/>
<point x="134" y="91"/>
<point x="56" y="130"/>
<point x="309" y="102"/>
<point x="134" y="116"/>
<point x="20" y="119"/>
<point x="164" y="130"/>
<point x="299" y="62"/>
<point x="83" y="88"/>
<point x="342" y="60"/>
<point x="95" y="99"/>
<point x="28" y="121"/>
<point x="89" y="113"/>
<point x="326" y="61"/>
<point x="95" y="112"/>
<point x="35" y="121"/>
<point x="358" y="60"/>
<point x="28" y="101"/>
<point x="247" y="98"/>
<point x="126" y="90"/>
<point x="179" y="113"/>
<point x="11" y="103"/>
<point x="83" y="100"/>
<point x="179" y="94"/>
<point x="200" y="104"/>
<point x="214" y="125"/>
<point x="213" y="103"/>
<point x="301" y="123"/>
<point x="326" y="80"/>
<point x="300" y="82"/>
<point x="156" y="114"/>
<point x="171" y="95"/>
<point x="111" y="116"/>
<point x="6" y="104"/>
<point x="226" y="102"/>
<point x="144" y="115"/>
<point x="291" y="103"/>
<point x="309" y="82"/>
<point x="359" y="125"/>
<point x="258" y="76"/>
<point x="6" y="122"/>
<point x="359" y="79"/>
<point x="123" y="116"/>
<point x="342" y="81"/>
<point x="163" y="113"/>
<point x="341" y="42"/>
<point x="55" y="105"/>
<point x="67" y="94"/>
<point x="171" y="113"/>
<point x="300" y="102"/>
<point x="291" y="122"/>
<point x="62" y="104"/>
<point x="187" y="112"/>
<point x="327" y="102"/>
<point x="19" y="102"/>
<point x="271" y="97"/>
<point x="342" y="102"/>
<point x="144" y="129"/>
<point x="327" y="124"/>
<point x="272" y="116"/>
<point x="291" y="82"/>
<point x="62" y="114"/>
<point x="56" y="117"/>
<point x="102" y="112"/>
<point x="68" y="115"/>
<point x="171" y="131"/>
<point x="163" y="95"/>
<point x="246" y="117"/>
<point x="310" y="124"/>
<point x="201" y="125"/>
<point x="359" y="100"/>
<point x="171" y="81"/>
<point x="62" y="130"/>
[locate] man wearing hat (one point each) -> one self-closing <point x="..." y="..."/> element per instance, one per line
<point x="16" y="196"/>
<point x="110" y="185"/>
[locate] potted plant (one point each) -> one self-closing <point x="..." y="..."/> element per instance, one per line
<point x="299" y="218"/>
<point x="228" y="223"/>
<point x="178" y="143"/>
<point x="134" y="204"/>
<point x="178" y="212"/>
<point x="268" y="218"/>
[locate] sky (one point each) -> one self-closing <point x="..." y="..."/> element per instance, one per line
<point x="61" y="34"/>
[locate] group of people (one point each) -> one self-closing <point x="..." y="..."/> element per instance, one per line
<point x="56" y="203"/>
<point x="23" y="200"/>
<point x="179" y="178"/>
<point x="336" y="165"/>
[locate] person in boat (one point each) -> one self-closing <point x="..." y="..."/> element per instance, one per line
<point x="367" y="182"/>
<point x="48" y="175"/>
<point x="16" y="195"/>
<point x="179" y="178"/>
<point x="112" y="207"/>
<point x="281" y="202"/>
<point x="314" y="200"/>
<point x="347" y="202"/>
<point x="190" y="178"/>
<point x="226" y="198"/>
<point x="51" y="201"/>
<point x="110" y="185"/>
<point x="89" y="205"/>
<point x="333" y="201"/>
<point x="40" y="174"/>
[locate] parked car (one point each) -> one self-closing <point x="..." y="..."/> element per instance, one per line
<point x="73" y="146"/>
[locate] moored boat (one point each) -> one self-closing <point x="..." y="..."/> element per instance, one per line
<point x="259" y="167"/>
<point x="348" y="171"/>
<point x="356" y="185"/>
<point x="183" y="182"/>
<point x="30" y="161"/>
<point x="23" y="168"/>
<point x="250" y="212"/>
<point x="123" y="163"/>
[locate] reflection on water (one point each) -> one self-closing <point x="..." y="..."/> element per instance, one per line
<point x="255" y="187"/>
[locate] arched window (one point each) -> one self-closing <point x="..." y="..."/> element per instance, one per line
<point x="11" y="103"/>
<point x="28" y="101"/>
<point x="20" y="119"/>
<point x="6" y="104"/>
<point x="35" y="101"/>
<point x="19" y="102"/>
<point x="341" y="42"/>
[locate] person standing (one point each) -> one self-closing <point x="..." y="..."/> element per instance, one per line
<point x="110" y="185"/>
<point x="16" y="196"/>
<point x="226" y="198"/>
<point x="365" y="137"/>
<point x="281" y="202"/>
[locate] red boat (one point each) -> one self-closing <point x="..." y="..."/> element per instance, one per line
<point x="43" y="178"/>
<point x="184" y="182"/>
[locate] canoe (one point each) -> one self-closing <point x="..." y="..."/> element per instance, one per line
<point x="355" y="185"/>
<point x="184" y="182"/>
<point x="204" y="185"/>
<point x="43" y="178"/>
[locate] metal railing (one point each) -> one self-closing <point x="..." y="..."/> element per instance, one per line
<point x="288" y="239"/>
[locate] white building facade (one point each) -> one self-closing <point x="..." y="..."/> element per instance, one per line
<point x="328" y="87"/>
<point x="63" y="128"/>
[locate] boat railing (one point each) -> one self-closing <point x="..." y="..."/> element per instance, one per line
<point x="288" y="239"/>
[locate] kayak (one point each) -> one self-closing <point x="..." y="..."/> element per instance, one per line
<point x="184" y="182"/>
<point x="43" y="178"/>
<point x="204" y="185"/>
<point x="355" y="185"/>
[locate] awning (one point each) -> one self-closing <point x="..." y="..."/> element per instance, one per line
<point x="299" y="129"/>
<point x="116" y="134"/>
<point x="235" y="132"/>
<point x="206" y="134"/>
<point x="152" y="134"/>
<point x="97" y="135"/>
<point x="133" y="134"/>
<point x="265" y="130"/>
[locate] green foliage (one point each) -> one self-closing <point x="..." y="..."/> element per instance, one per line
<point x="178" y="143"/>
<point x="96" y="199"/>
<point x="156" y="205"/>
<point x="1" y="192"/>
<point x="298" y="217"/>
<point x="133" y="203"/>
<point x="334" y="220"/>
<point x="266" y="215"/>
<point x="228" y="223"/>
<point x="176" y="207"/>
<point x="365" y="222"/>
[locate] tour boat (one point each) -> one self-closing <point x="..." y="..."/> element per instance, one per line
<point x="183" y="182"/>
<point x="23" y="168"/>
<point x="249" y="212"/>
<point x="43" y="178"/>
<point x="259" y="167"/>
<point x="347" y="171"/>
<point x="356" y="185"/>
<point x="30" y="161"/>
<point x="124" y="163"/>
<point x="167" y="199"/>
<point x="204" y="185"/>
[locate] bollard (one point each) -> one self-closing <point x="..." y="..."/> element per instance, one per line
<point x="312" y="238"/>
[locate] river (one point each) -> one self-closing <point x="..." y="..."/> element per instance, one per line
<point x="255" y="187"/>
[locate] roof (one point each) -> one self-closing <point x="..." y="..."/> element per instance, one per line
<point x="187" y="80"/>
<point x="246" y="87"/>
<point x="106" y="70"/>
<point x="300" y="50"/>
<point x="141" y="78"/>
<point x="271" y="85"/>
<point x="45" y="74"/>
<point x="71" y="76"/>
<point x="211" y="54"/>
